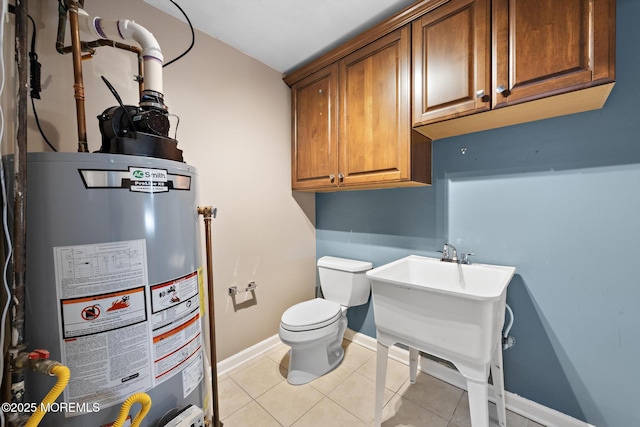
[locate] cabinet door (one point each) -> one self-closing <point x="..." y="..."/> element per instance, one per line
<point x="375" y="122"/>
<point x="314" y="161"/>
<point x="451" y="59"/>
<point x="546" y="47"/>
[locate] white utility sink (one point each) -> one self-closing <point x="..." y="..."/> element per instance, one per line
<point x="450" y="310"/>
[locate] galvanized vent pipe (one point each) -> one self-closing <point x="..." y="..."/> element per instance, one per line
<point x="19" y="215"/>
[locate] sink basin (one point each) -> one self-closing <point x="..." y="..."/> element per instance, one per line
<point x="453" y="311"/>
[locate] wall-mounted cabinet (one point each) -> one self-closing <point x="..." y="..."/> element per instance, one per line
<point x="364" y="115"/>
<point x="352" y="124"/>
<point x="543" y="48"/>
<point x="314" y="114"/>
<point x="541" y="52"/>
<point x="451" y="61"/>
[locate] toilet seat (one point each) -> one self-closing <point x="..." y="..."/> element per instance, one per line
<point x="314" y="314"/>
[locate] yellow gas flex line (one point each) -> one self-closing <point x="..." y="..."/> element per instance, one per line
<point x="63" y="374"/>
<point x="141" y="398"/>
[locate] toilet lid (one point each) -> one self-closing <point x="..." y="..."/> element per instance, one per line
<point x="312" y="314"/>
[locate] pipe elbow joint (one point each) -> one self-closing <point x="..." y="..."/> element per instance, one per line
<point x="127" y="29"/>
<point x="130" y="30"/>
<point x="124" y="29"/>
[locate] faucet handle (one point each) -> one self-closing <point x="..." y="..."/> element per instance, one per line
<point x="449" y="253"/>
<point x="465" y="258"/>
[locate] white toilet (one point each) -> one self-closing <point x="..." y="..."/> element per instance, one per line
<point x="314" y="329"/>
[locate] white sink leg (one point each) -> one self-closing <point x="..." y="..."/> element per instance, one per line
<point x="381" y="374"/>
<point x="498" y="385"/>
<point x="413" y="364"/>
<point x="478" y="402"/>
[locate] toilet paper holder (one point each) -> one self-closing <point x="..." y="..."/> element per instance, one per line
<point x="233" y="290"/>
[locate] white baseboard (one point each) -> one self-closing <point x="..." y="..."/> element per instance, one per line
<point x="518" y="404"/>
<point x="233" y="362"/>
<point x="525" y="407"/>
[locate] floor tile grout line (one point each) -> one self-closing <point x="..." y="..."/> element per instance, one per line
<point x="324" y="394"/>
<point x="335" y="386"/>
<point x="308" y="410"/>
<point x="347" y="409"/>
<point x="254" y="399"/>
<point x="270" y="414"/>
<point x="456" y="408"/>
<point x="250" y="397"/>
<point x="447" y="420"/>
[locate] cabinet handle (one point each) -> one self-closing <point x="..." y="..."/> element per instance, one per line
<point x="341" y="177"/>
<point x="332" y="177"/>
<point x="503" y="91"/>
<point x="480" y="94"/>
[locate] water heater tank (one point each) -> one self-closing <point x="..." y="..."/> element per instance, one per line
<point x="113" y="284"/>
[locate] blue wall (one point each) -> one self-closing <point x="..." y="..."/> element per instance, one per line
<point x="560" y="200"/>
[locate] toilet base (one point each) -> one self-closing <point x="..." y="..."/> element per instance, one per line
<point x="312" y="359"/>
<point x="307" y="365"/>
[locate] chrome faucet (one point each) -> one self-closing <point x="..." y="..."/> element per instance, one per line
<point x="450" y="254"/>
<point x="465" y="258"/>
<point x="445" y="253"/>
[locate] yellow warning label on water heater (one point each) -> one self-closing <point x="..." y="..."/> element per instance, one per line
<point x="201" y="288"/>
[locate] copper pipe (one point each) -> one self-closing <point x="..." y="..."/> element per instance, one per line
<point x="89" y="46"/>
<point x="86" y="46"/>
<point x="207" y="212"/>
<point x="78" y="85"/>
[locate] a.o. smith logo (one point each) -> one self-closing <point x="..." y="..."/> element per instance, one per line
<point x="148" y="180"/>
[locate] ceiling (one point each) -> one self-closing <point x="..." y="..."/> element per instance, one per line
<point x="283" y="34"/>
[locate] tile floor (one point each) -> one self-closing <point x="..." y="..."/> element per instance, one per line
<point x="258" y="395"/>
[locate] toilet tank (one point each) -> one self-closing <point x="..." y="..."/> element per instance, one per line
<point x="344" y="280"/>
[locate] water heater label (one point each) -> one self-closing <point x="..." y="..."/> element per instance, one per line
<point x="145" y="180"/>
<point x="177" y="332"/>
<point x="104" y="313"/>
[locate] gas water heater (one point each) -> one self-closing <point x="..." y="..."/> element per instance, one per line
<point x="114" y="286"/>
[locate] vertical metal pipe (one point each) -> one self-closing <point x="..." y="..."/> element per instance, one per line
<point x="140" y="74"/>
<point x="61" y="48"/>
<point x="62" y="26"/>
<point x="78" y="85"/>
<point x="19" y="209"/>
<point x="207" y="212"/>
